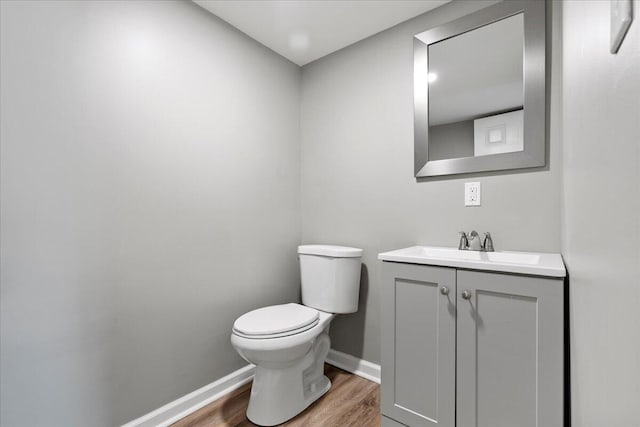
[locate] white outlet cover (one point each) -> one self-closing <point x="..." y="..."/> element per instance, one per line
<point x="621" y="17"/>
<point x="472" y="194"/>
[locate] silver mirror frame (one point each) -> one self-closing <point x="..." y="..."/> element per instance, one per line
<point x="534" y="132"/>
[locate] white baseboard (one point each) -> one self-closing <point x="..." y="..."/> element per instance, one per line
<point x="359" y="367"/>
<point x="188" y="404"/>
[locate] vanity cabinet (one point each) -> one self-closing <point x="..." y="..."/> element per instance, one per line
<point x="471" y="348"/>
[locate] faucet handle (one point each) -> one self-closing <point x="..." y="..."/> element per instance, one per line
<point x="464" y="242"/>
<point x="488" y="242"/>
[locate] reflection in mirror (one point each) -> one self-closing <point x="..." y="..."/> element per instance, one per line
<point x="476" y="91"/>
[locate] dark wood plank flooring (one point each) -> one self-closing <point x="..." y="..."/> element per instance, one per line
<point x="351" y="402"/>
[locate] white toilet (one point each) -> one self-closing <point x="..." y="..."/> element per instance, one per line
<point x="288" y="343"/>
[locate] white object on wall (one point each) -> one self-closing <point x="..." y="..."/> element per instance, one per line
<point x="621" y="17"/>
<point x="472" y="194"/>
<point x="500" y="133"/>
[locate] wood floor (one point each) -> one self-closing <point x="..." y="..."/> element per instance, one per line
<point x="352" y="401"/>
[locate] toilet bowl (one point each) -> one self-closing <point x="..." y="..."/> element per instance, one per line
<point x="289" y="367"/>
<point x="289" y="343"/>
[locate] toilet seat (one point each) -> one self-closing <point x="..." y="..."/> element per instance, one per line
<point x="276" y="321"/>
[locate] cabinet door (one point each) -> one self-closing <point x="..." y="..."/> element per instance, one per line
<point x="509" y="351"/>
<point x="418" y="344"/>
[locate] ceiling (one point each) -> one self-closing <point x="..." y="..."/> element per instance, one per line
<point x="305" y="30"/>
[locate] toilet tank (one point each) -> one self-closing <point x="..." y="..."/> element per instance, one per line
<point x="330" y="277"/>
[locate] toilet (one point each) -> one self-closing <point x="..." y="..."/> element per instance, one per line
<point x="288" y="343"/>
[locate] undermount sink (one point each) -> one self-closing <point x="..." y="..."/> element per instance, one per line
<point x="539" y="264"/>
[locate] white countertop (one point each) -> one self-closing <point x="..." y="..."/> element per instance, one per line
<point x="534" y="263"/>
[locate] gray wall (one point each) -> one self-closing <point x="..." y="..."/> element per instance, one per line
<point x="150" y="195"/>
<point x="357" y="169"/>
<point x="451" y="140"/>
<point x="601" y="236"/>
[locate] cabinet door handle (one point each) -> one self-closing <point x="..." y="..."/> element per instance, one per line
<point x="466" y="294"/>
<point x="444" y="290"/>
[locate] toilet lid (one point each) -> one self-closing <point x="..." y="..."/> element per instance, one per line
<point x="276" y="319"/>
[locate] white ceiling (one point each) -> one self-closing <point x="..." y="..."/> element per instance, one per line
<point x="305" y="30"/>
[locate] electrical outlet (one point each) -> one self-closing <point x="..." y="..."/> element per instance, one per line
<point x="472" y="194"/>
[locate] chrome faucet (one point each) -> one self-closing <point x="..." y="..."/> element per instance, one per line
<point x="472" y="242"/>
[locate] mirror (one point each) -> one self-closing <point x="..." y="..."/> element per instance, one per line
<point x="475" y="107"/>
<point x="479" y="88"/>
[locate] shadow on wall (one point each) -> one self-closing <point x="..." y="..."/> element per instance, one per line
<point x="347" y="330"/>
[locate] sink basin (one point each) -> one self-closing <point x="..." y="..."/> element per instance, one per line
<point x="539" y="264"/>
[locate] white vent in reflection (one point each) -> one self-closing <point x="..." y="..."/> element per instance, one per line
<point x="500" y="133"/>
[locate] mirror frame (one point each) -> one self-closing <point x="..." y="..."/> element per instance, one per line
<point x="534" y="131"/>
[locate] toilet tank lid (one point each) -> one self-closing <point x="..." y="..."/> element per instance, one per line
<point x="330" y="251"/>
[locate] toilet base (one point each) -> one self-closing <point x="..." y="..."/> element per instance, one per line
<point x="277" y="395"/>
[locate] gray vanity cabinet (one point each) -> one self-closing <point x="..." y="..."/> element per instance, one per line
<point x="487" y="353"/>
<point x="509" y="350"/>
<point x="418" y="344"/>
